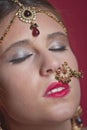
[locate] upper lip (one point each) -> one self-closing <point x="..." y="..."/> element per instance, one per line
<point x="55" y="85"/>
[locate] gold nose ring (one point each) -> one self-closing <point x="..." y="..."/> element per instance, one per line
<point x="65" y="73"/>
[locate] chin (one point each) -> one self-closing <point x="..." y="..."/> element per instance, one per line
<point x="62" y="113"/>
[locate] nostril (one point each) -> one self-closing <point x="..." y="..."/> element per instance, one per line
<point x="49" y="71"/>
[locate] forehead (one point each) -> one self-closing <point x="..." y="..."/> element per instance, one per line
<point x="21" y="30"/>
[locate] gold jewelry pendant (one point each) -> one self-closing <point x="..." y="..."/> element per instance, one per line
<point x="77" y="121"/>
<point x="65" y="73"/>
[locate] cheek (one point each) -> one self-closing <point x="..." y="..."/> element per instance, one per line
<point x="75" y="95"/>
<point x="75" y="88"/>
<point x="20" y="91"/>
<point x="17" y="82"/>
<point x="70" y="58"/>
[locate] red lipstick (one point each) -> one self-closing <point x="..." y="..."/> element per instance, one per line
<point x="57" y="89"/>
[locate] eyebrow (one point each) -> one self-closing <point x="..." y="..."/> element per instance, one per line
<point x="55" y="34"/>
<point x="17" y="44"/>
<point x="27" y="41"/>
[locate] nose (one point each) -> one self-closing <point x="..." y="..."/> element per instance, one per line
<point x="49" y="65"/>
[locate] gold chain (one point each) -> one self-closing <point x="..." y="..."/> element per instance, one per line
<point x="7" y="29"/>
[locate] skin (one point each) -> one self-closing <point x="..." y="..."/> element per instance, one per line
<point x="25" y="82"/>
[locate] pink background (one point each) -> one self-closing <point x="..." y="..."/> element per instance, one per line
<point x="74" y="13"/>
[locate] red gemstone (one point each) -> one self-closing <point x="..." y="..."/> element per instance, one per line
<point x="35" y="32"/>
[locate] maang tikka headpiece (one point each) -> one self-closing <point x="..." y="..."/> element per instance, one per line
<point x="28" y="15"/>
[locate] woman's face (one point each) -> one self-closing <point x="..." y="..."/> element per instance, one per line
<point x="27" y="68"/>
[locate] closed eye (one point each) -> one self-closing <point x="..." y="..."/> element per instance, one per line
<point x="20" y="59"/>
<point x="58" y="48"/>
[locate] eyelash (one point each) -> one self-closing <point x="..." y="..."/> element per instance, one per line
<point x="19" y="60"/>
<point x="62" y="48"/>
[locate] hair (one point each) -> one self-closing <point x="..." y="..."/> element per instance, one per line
<point x="7" y="6"/>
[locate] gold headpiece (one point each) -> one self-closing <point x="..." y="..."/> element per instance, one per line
<point x="65" y="73"/>
<point x="28" y="15"/>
